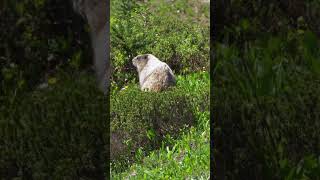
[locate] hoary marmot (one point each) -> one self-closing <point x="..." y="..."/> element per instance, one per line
<point x="154" y="75"/>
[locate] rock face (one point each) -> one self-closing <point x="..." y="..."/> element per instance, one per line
<point x="154" y="75"/>
<point x="95" y="13"/>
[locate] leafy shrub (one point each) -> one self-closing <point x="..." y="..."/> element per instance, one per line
<point x="60" y="132"/>
<point x="160" y="28"/>
<point x="142" y="119"/>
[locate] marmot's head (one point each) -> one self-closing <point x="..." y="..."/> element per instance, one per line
<point x="140" y="61"/>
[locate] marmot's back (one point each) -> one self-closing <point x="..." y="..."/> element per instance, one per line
<point x="154" y="75"/>
<point x="160" y="79"/>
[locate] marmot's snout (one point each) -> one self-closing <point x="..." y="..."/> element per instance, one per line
<point x="134" y="62"/>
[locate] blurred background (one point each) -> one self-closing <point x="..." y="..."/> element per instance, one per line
<point x="266" y="89"/>
<point x="53" y="120"/>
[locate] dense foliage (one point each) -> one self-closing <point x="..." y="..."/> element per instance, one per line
<point x="266" y="84"/>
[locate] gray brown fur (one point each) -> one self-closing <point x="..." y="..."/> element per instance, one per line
<point x="154" y="75"/>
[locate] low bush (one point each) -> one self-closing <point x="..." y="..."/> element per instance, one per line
<point x="60" y="132"/>
<point x="142" y="119"/>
